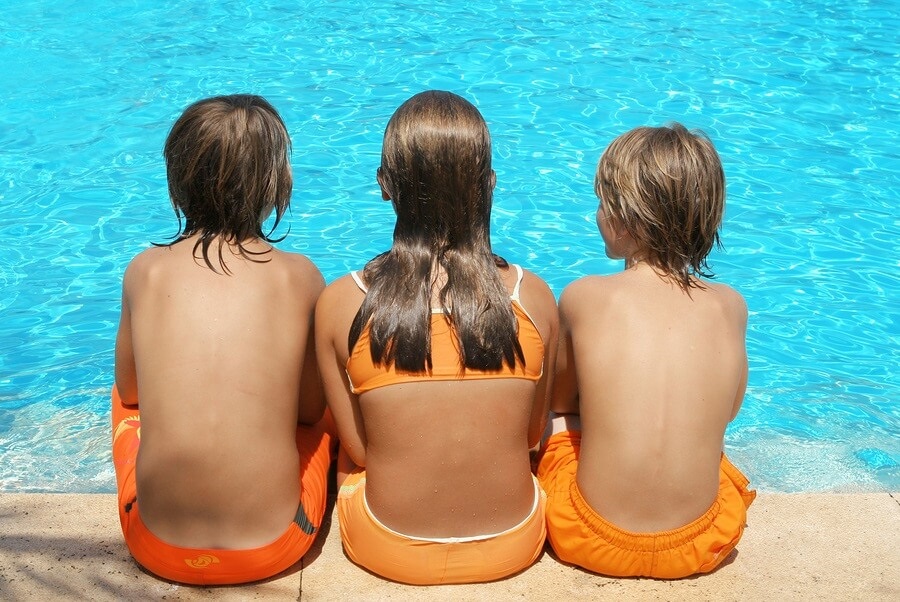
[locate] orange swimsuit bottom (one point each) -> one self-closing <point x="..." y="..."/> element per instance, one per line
<point x="435" y="560"/>
<point x="429" y="561"/>
<point x="579" y="535"/>
<point x="218" y="567"/>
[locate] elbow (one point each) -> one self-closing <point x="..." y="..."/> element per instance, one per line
<point x="311" y="415"/>
<point x="357" y="455"/>
<point x="536" y="433"/>
<point x="127" y="393"/>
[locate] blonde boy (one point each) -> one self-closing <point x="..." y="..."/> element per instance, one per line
<point x="651" y="368"/>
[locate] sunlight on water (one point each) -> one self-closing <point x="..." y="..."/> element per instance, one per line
<point x="801" y="100"/>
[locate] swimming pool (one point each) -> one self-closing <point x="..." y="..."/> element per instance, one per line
<point x="801" y="100"/>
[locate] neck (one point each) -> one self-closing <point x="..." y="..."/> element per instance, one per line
<point x="635" y="261"/>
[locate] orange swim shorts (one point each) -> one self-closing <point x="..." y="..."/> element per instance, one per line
<point x="433" y="561"/>
<point x="581" y="536"/>
<point x="208" y="567"/>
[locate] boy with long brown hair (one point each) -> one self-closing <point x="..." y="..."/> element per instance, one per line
<point x="218" y="483"/>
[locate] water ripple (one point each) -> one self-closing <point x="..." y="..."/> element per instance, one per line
<point x="802" y="105"/>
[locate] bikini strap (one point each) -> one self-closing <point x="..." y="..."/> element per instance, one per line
<point x="358" y="280"/>
<point x="520" y="274"/>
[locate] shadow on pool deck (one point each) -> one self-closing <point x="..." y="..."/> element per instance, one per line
<point x="796" y="547"/>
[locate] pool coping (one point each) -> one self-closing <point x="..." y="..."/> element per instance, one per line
<point x="835" y="546"/>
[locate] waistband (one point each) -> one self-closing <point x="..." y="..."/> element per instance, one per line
<point x="657" y="540"/>
<point x="524" y="522"/>
<point x="213" y="566"/>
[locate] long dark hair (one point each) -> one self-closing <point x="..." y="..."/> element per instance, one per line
<point x="227" y="162"/>
<point x="436" y="168"/>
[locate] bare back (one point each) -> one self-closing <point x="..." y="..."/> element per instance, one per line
<point x="224" y="374"/>
<point x="660" y="373"/>
<point x="442" y="458"/>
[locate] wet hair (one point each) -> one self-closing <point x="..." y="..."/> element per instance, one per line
<point x="665" y="186"/>
<point x="436" y="168"/>
<point x="227" y="162"/>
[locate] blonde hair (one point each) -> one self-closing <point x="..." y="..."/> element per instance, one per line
<point x="665" y="186"/>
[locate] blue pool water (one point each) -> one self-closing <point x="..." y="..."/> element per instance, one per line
<point x="801" y="98"/>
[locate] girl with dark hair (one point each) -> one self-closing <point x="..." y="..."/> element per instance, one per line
<point x="435" y="373"/>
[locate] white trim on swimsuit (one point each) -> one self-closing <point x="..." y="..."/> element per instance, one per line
<point x="523" y="522"/>
<point x="355" y="275"/>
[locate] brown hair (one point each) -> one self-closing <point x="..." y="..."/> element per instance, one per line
<point x="665" y="186"/>
<point x="436" y="168"/>
<point x="227" y="162"/>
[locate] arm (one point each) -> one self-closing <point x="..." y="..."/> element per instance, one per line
<point x="542" y="304"/>
<point x="334" y="313"/>
<point x="125" y="370"/>
<point x="742" y="388"/>
<point x="741" y="319"/>
<point x="312" y="396"/>
<point x="565" y="386"/>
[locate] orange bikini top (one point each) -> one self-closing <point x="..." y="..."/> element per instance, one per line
<point x="365" y="375"/>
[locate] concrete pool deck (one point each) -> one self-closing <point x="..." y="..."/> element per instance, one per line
<point x="796" y="547"/>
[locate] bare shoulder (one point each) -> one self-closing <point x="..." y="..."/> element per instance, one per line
<point x="341" y="288"/>
<point x="589" y="285"/>
<point x="585" y="293"/>
<point x="534" y="285"/>
<point x="339" y="299"/>
<point x="731" y="300"/>
<point x="147" y="258"/>
<point x="305" y="277"/>
<point x="335" y="310"/>
<point x="302" y="267"/>
<point x="143" y="264"/>
<point x="538" y="299"/>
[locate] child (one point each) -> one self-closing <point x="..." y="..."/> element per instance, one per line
<point x="436" y="360"/>
<point x="215" y="340"/>
<point x="653" y="362"/>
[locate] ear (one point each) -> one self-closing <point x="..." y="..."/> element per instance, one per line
<point x="385" y="195"/>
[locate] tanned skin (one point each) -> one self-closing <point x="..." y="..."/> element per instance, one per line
<point x="655" y="371"/>
<point x="425" y="444"/>
<point x="226" y="369"/>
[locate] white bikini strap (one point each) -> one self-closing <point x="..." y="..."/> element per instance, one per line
<point x="358" y="280"/>
<point x="520" y="273"/>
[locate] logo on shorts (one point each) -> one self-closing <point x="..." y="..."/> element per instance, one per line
<point x="202" y="561"/>
<point x="132" y="422"/>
